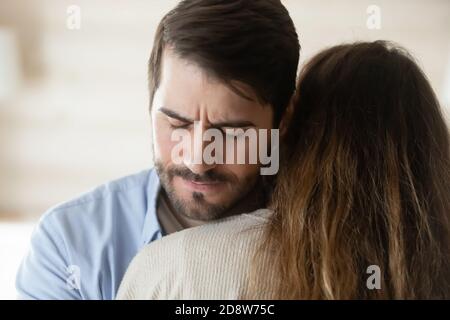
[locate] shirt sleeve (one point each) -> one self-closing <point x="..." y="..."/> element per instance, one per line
<point x="45" y="273"/>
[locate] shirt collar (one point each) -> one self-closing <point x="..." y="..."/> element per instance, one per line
<point x="152" y="229"/>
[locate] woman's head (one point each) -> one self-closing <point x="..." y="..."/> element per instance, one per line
<point x="365" y="180"/>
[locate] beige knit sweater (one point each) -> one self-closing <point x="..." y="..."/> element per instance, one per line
<point x="207" y="262"/>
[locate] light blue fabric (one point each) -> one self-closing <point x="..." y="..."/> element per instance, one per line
<point x="81" y="249"/>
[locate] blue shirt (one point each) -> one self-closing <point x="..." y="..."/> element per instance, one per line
<point x="82" y="248"/>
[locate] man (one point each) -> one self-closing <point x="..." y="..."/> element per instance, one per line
<point x="215" y="64"/>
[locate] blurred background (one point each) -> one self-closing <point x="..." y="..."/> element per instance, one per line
<point x="73" y="90"/>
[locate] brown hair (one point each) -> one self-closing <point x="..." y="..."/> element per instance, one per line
<point x="364" y="180"/>
<point x="249" y="41"/>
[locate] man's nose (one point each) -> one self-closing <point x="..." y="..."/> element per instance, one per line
<point x="194" y="158"/>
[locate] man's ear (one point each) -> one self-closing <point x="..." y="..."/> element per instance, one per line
<point x="287" y="117"/>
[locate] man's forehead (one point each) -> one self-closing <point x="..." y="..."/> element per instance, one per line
<point x="189" y="90"/>
<point x="176" y="69"/>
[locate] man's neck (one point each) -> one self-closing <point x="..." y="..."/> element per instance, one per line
<point x="254" y="200"/>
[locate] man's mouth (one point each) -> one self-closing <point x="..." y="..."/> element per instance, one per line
<point x="202" y="186"/>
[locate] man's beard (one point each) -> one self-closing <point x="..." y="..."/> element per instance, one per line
<point x="197" y="207"/>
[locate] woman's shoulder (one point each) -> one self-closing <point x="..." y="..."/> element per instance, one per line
<point x="189" y="253"/>
<point x="239" y="222"/>
<point x="220" y="228"/>
<point x="212" y="234"/>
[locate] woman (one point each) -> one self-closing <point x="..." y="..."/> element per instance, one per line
<point x="365" y="182"/>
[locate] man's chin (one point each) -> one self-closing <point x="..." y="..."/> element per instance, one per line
<point x="200" y="209"/>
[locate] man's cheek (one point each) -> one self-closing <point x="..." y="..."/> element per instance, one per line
<point x="163" y="144"/>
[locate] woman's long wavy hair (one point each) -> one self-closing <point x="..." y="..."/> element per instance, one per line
<point x="364" y="180"/>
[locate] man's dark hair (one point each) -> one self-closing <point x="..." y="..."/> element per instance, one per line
<point x="249" y="41"/>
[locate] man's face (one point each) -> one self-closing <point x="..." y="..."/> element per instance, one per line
<point x="186" y="94"/>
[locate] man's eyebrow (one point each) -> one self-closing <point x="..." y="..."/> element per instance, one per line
<point x="233" y="124"/>
<point x="174" y="115"/>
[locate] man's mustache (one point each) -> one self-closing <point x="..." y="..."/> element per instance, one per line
<point x="209" y="176"/>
